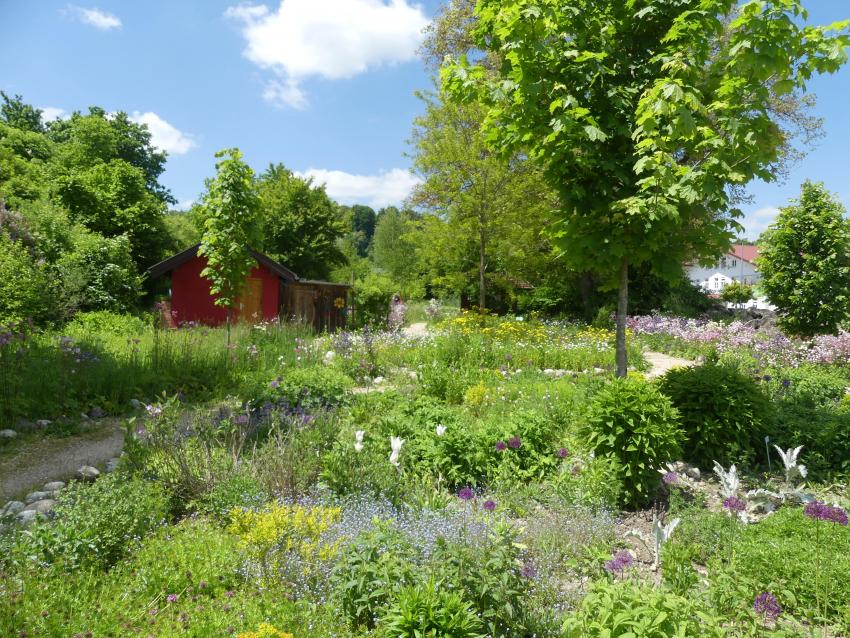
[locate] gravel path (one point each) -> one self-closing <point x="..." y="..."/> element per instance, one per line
<point x="416" y="329"/>
<point x="34" y="463"/>
<point x="660" y="363"/>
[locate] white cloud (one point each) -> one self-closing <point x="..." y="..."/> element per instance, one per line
<point x="756" y="222"/>
<point x="332" y="39"/>
<point x="95" y="17"/>
<point x="164" y="135"/>
<point x="388" y="188"/>
<point x="184" y="204"/>
<point x="49" y="113"/>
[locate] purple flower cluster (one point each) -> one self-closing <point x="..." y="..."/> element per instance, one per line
<point x="670" y="478"/>
<point x="466" y="494"/>
<point x="563" y="453"/>
<point x="734" y="504"/>
<point x="819" y="511"/>
<point x="501" y="446"/>
<point x="619" y="563"/>
<point x="489" y="505"/>
<point x="527" y="570"/>
<point x="515" y="443"/>
<point x="766" y="605"/>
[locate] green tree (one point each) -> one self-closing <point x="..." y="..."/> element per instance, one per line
<point x="301" y="224"/>
<point x="25" y="284"/>
<point x="483" y="197"/>
<point x="737" y="293"/>
<point x="363" y="219"/>
<point x="647" y="115"/>
<point x="16" y="113"/>
<point x="230" y="210"/>
<point x="391" y="248"/>
<point x="805" y="263"/>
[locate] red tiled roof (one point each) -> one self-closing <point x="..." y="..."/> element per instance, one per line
<point x="746" y="253"/>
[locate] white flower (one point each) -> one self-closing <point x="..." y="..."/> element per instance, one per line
<point x="395" y="443"/>
<point x="378" y="380"/>
<point x="729" y="481"/>
<point x="330" y="355"/>
<point x="441" y="430"/>
<point x="789" y="460"/>
<point x="358" y="440"/>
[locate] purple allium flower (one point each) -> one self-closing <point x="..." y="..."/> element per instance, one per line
<point x="515" y="443"/>
<point x="172" y="598"/>
<point x="819" y="511"/>
<point x="527" y="570"/>
<point x="242" y="419"/>
<point x="767" y="377"/>
<point x="670" y="478"/>
<point x="619" y="562"/>
<point x="466" y="494"/>
<point x="563" y="453"/>
<point x="500" y="445"/>
<point x="766" y="605"/>
<point x="786" y="383"/>
<point x="489" y="505"/>
<point x="229" y="593"/>
<point x="274" y="384"/>
<point x="734" y="504"/>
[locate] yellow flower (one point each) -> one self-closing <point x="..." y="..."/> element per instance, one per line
<point x="339" y="302"/>
<point x="265" y="630"/>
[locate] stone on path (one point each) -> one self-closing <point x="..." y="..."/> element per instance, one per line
<point x="32" y="497"/>
<point x="54" y="486"/>
<point x="26" y="517"/>
<point x="11" y="508"/>
<point x="88" y="473"/>
<point x="8" y="434"/>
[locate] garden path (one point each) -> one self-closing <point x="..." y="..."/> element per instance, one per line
<point x="661" y="363"/>
<point x="419" y="329"/>
<point x="33" y="463"/>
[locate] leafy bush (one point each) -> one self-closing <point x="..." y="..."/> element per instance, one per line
<point x="632" y="609"/>
<point x="810" y="386"/>
<point x="112" y="323"/>
<point x="372" y="301"/>
<point x="590" y="482"/>
<point x="97" y="524"/>
<point x="427" y="610"/>
<point x="25" y="291"/>
<point x="488" y="575"/>
<point x="238" y="490"/>
<point x="725" y="414"/>
<point x="630" y="420"/>
<point x="313" y="387"/>
<point x="377" y="563"/>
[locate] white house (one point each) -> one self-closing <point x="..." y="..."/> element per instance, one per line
<point x="737" y="265"/>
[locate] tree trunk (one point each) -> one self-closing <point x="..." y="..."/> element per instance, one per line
<point x="622" y="311"/>
<point x="482" y="266"/>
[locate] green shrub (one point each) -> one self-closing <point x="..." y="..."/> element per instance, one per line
<point x="371" y="297"/>
<point x="428" y="610"/>
<point x="25" y="287"/>
<point x="313" y="387"/>
<point x="593" y="482"/>
<point x="630" y="420"/>
<point x="488" y="575"/>
<point x="724" y="413"/>
<point x="810" y="386"/>
<point x="633" y="609"/>
<point x="371" y="569"/>
<point x="111" y="323"/>
<point x="238" y="490"/>
<point x="97" y="524"/>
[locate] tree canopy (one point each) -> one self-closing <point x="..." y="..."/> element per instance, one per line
<point x="645" y="115"/>
<point x="805" y="263"/>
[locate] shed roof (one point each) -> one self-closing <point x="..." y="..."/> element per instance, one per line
<point x="167" y="265"/>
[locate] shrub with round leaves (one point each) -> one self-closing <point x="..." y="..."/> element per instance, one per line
<point x="630" y="420"/>
<point x="724" y="413"/>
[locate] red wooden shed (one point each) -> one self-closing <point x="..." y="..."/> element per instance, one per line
<point x="269" y="292"/>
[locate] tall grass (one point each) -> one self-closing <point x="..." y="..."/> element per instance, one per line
<point x="51" y="374"/>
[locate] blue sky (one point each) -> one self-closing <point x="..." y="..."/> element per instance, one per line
<point x="323" y="86"/>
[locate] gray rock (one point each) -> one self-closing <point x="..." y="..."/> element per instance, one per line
<point x="44" y="506"/>
<point x="43" y="423"/>
<point x="97" y="413"/>
<point x="11" y="508"/>
<point x="88" y="473"/>
<point x="8" y="434"/>
<point x="112" y="465"/>
<point x="53" y="486"/>
<point x="24" y="425"/>
<point x="136" y="404"/>
<point x="693" y="472"/>
<point x="26" y="517"/>
<point x="32" y="497"/>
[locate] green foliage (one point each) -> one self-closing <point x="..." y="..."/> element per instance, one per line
<point x="427" y="610"/>
<point x="371" y="569"/>
<point x="737" y="293"/>
<point x="105" y="321"/>
<point x="25" y="285"/>
<point x="230" y="213"/>
<point x="393" y="251"/>
<point x="632" y="609"/>
<point x="805" y="263"/>
<point x="596" y="482"/>
<point x="724" y="413"/>
<point x="371" y="299"/>
<point x="97" y="524"/>
<point x="312" y="387"/>
<point x="237" y="490"/>
<point x="633" y="422"/>
<point x="645" y="118"/>
<point x="301" y="224"/>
